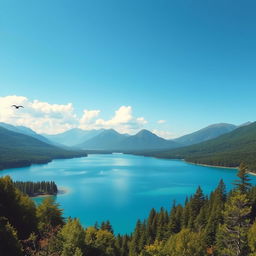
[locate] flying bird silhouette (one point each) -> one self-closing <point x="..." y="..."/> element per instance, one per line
<point x="17" y="107"/>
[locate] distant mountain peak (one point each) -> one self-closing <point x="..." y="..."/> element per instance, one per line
<point x="109" y="131"/>
<point x="245" y="124"/>
<point x="220" y="125"/>
<point x="207" y="133"/>
<point x="112" y="140"/>
<point x="144" y="132"/>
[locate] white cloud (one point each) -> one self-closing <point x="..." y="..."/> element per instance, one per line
<point x="141" y="120"/>
<point x="161" y="121"/>
<point x="164" y="134"/>
<point x="44" y="117"/>
<point x="89" y="116"/>
<point x="40" y="116"/>
<point x="123" y="121"/>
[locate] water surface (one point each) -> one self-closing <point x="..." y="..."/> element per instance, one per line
<point x="122" y="188"/>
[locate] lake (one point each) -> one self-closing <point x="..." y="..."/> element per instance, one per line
<point x="122" y="188"/>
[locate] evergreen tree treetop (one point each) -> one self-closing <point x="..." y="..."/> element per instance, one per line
<point x="243" y="184"/>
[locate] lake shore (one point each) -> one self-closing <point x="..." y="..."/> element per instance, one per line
<point x="208" y="165"/>
<point x="61" y="191"/>
<point x="43" y="195"/>
<point x="216" y="166"/>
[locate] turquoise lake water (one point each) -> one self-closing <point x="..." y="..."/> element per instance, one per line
<point x="122" y="188"/>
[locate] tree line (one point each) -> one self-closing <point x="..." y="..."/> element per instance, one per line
<point x="37" y="188"/>
<point x="220" y="224"/>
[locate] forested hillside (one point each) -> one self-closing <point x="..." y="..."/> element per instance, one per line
<point x="18" y="150"/>
<point x="24" y="130"/>
<point x="221" y="224"/>
<point x="227" y="150"/>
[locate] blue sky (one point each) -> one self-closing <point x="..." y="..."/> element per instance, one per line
<point x="189" y="62"/>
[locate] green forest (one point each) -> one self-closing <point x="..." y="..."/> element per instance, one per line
<point x="37" y="188"/>
<point x="220" y="224"/>
<point x="228" y="150"/>
<point x="17" y="150"/>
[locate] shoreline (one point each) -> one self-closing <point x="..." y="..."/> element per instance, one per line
<point x="213" y="166"/>
<point x="42" y="162"/>
<point x="61" y="191"/>
<point x="216" y="166"/>
<point x="43" y="195"/>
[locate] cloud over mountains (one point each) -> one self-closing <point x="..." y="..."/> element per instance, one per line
<point x="44" y="117"/>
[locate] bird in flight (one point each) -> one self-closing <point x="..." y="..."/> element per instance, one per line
<point x="17" y="107"/>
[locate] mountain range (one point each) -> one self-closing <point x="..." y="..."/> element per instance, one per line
<point x="144" y="140"/>
<point x="218" y="144"/>
<point x="112" y="140"/>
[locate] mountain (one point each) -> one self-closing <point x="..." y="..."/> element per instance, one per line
<point x="17" y="149"/>
<point x="207" y="133"/>
<point x="26" y="131"/>
<point x="106" y="140"/>
<point x="245" y="124"/>
<point x="73" y="137"/>
<point x="146" y="140"/>
<point x="227" y="150"/>
<point x="112" y="140"/>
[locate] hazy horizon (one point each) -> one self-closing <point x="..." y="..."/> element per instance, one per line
<point x="131" y="134"/>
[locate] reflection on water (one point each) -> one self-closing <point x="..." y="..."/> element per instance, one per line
<point x="122" y="188"/>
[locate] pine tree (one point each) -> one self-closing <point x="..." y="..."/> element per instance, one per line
<point x="122" y="245"/>
<point x="73" y="237"/>
<point x="195" y="206"/>
<point x="151" y="226"/>
<point x="49" y="215"/>
<point x="134" y="245"/>
<point x="185" y="214"/>
<point x="107" y="226"/>
<point x="216" y="206"/>
<point x="232" y="235"/>
<point x="175" y="220"/>
<point x="143" y="237"/>
<point x="243" y="184"/>
<point x="202" y="218"/>
<point x="162" y="224"/>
